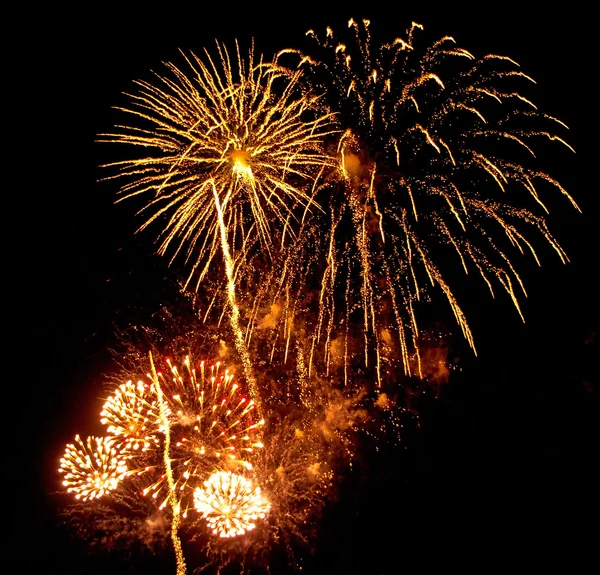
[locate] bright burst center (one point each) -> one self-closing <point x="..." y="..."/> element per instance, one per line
<point x="230" y="503"/>
<point x="241" y="164"/>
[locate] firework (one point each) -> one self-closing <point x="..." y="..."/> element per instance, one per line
<point x="234" y="156"/>
<point x="209" y="469"/>
<point x="131" y="414"/>
<point x="92" y="468"/>
<point x="195" y="407"/>
<point x="434" y="177"/>
<point x="211" y="422"/>
<point x="233" y="138"/>
<point x="230" y="503"/>
<point x="174" y="430"/>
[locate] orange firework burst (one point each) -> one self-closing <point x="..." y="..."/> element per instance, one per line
<point x="176" y="430"/>
<point x="212" y="425"/>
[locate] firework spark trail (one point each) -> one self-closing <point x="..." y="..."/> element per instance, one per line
<point x="240" y="343"/>
<point x="175" y="504"/>
<point x="430" y="174"/>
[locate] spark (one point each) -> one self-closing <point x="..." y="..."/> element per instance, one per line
<point x="173" y="500"/>
<point x="235" y="311"/>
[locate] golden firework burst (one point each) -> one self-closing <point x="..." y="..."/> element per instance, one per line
<point x="233" y="138"/>
<point x="131" y="415"/>
<point x="230" y="503"/>
<point x="437" y="175"/>
<point x="92" y="468"/>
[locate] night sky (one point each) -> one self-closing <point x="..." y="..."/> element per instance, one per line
<point x="503" y="464"/>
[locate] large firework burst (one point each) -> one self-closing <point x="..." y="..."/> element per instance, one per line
<point x="434" y="177"/>
<point x="231" y="139"/>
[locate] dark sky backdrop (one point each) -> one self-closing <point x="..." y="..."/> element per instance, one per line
<point x="504" y="455"/>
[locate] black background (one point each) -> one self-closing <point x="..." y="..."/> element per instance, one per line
<point x="503" y="466"/>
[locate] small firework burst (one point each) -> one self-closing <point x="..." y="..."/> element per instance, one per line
<point x="131" y="414"/>
<point x="92" y="468"/>
<point x="230" y="503"/>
